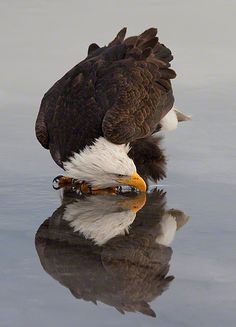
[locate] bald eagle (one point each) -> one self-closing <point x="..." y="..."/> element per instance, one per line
<point x="99" y="119"/>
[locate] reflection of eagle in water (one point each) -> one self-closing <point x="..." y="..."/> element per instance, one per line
<point x="99" y="118"/>
<point x="126" y="268"/>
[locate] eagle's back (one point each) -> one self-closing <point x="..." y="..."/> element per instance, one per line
<point x="120" y="91"/>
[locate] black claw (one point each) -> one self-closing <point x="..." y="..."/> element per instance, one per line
<point x="55" y="182"/>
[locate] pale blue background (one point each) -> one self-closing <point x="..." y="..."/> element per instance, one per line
<point x="40" y="40"/>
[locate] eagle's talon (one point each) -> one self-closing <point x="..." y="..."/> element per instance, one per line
<point x="56" y="182"/>
<point x="119" y="189"/>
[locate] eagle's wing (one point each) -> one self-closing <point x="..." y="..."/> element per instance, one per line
<point x="41" y="130"/>
<point x="48" y="104"/>
<point x="47" y="123"/>
<point x="120" y="91"/>
<point x="143" y="93"/>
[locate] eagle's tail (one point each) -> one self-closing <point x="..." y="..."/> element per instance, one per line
<point x="145" y="46"/>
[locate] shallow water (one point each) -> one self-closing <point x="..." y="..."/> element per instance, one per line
<point x="40" y="41"/>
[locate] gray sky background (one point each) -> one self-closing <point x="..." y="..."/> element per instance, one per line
<point x="40" y="40"/>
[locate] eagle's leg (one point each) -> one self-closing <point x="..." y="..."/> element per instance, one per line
<point x="69" y="182"/>
<point x="104" y="191"/>
<point x="87" y="189"/>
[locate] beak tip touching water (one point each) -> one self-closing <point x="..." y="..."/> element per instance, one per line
<point x="134" y="180"/>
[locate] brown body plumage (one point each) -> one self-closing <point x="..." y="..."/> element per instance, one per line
<point x="120" y="91"/>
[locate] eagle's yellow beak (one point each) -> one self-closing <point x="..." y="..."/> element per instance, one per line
<point x="134" y="180"/>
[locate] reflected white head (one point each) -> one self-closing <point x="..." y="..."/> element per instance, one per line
<point x="102" y="217"/>
<point x="99" y="218"/>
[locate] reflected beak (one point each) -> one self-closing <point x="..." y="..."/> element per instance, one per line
<point x="134" y="204"/>
<point x="134" y="180"/>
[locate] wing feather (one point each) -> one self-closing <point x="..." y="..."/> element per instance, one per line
<point x="145" y="93"/>
<point x="41" y="130"/>
<point x="120" y="91"/>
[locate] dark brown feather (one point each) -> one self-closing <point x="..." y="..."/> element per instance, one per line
<point x="121" y="92"/>
<point x="93" y="47"/>
<point x="149" y="158"/>
<point x="119" y="37"/>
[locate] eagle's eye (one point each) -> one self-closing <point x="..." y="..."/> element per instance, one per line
<point x="120" y="175"/>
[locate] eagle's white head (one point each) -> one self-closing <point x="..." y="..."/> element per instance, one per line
<point x="104" y="164"/>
